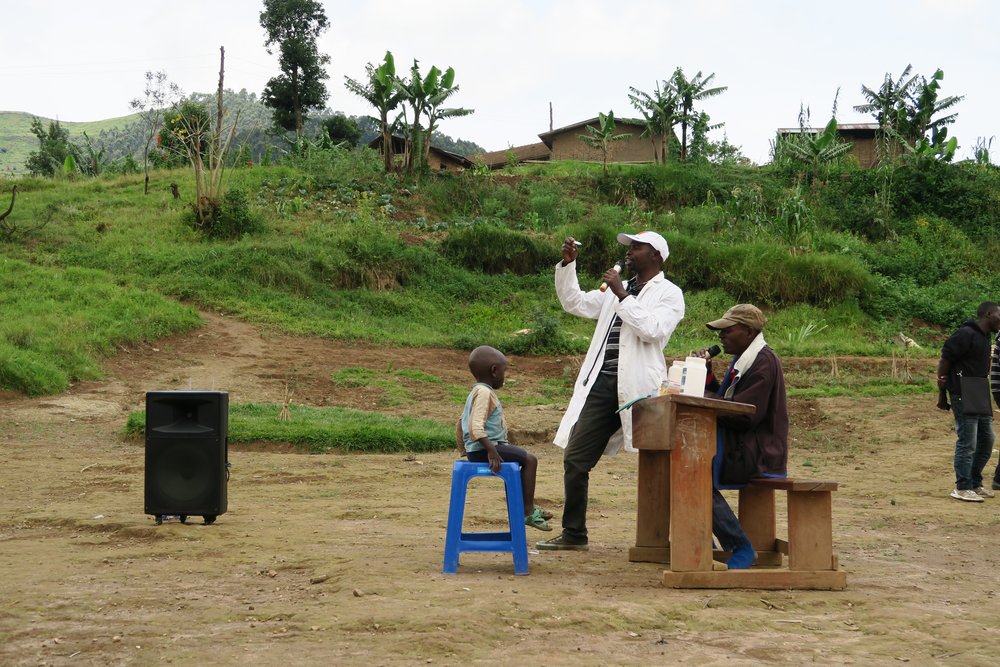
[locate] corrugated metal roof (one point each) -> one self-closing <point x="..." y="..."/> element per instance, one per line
<point x="840" y="126"/>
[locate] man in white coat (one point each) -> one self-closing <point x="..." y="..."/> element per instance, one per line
<point x="624" y="362"/>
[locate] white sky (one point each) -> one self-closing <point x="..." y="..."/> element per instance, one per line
<point x="83" y="61"/>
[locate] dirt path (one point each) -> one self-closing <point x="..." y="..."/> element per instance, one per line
<point x="336" y="559"/>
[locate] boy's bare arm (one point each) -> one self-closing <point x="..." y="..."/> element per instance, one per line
<point x="460" y="438"/>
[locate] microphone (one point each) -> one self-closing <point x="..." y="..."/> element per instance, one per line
<point x="618" y="269"/>
<point x="713" y="351"/>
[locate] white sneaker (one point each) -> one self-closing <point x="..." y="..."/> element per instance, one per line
<point x="967" y="494"/>
<point x="984" y="492"/>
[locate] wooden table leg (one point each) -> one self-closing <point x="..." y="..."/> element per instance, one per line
<point x="691" y="490"/>
<point x="652" y="531"/>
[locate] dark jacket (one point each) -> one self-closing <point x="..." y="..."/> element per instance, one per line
<point x="764" y="433"/>
<point x="968" y="352"/>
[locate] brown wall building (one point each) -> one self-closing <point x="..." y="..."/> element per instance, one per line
<point x="861" y="136"/>
<point x="565" y="142"/>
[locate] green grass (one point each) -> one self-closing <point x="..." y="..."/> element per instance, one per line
<point x="318" y="430"/>
<point x="359" y="260"/>
<point x="58" y="323"/>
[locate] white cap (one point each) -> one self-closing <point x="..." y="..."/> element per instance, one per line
<point x="652" y="238"/>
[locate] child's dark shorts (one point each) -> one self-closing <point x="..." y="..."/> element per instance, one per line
<point x="509" y="454"/>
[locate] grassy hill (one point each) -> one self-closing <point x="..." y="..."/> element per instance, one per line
<point x="334" y="248"/>
<point x="17" y="141"/>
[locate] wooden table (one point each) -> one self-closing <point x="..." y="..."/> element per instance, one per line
<point x="676" y="435"/>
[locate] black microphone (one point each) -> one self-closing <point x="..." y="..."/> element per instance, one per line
<point x="713" y="351"/>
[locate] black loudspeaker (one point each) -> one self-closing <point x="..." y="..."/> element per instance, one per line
<point x="186" y="453"/>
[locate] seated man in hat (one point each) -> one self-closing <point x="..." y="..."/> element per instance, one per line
<point x="760" y="440"/>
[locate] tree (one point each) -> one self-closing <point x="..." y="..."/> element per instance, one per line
<point x="205" y="148"/>
<point x="923" y="114"/>
<point x="701" y="146"/>
<point x="415" y="92"/>
<point x="383" y="92"/>
<point x="813" y="151"/>
<point x="158" y="95"/>
<point x="294" y="26"/>
<point x="908" y="108"/>
<point x="603" y="136"/>
<point x="94" y="157"/>
<point x="425" y="96"/>
<point x="341" y="129"/>
<point x="890" y="98"/>
<point x="689" y="92"/>
<point x="444" y="89"/>
<point x="660" y="113"/>
<point x="53" y="147"/>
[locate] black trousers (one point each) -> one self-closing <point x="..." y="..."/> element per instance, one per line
<point x="587" y="441"/>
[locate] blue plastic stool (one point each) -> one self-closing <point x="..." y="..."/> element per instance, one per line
<point x="514" y="541"/>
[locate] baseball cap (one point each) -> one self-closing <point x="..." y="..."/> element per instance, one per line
<point x="652" y="238"/>
<point x="741" y="313"/>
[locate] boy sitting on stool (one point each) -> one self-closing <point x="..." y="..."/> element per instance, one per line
<point x="484" y="429"/>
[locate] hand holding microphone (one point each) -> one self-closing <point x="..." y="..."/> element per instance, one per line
<point x="614" y="273"/>
<point x="707" y="354"/>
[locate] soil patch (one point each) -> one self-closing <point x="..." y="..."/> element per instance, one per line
<point x="336" y="558"/>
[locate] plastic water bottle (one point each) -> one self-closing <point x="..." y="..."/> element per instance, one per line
<point x="674" y="375"/>
<point x="693" y="377"/>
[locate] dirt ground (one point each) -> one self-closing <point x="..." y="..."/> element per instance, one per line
<point x="336" y="559"/>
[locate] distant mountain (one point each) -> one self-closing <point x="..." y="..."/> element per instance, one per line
<point x="124" y="135"/>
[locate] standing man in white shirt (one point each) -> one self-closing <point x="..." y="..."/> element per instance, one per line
<point x="624" y="362"/>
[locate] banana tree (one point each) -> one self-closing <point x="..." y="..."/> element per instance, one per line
<point x="382" y="92"/>
<point x="815" y="150"/>
<point x="659" y="112"/>
<point x="690" y="91"/>
<point x="603" y="136"/>
<point x="445" y="88"/>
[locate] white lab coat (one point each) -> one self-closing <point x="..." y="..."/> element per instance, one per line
<point x="647" y="323"/>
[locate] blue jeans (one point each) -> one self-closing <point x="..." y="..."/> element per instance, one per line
<point x="972" y="448"/>
<point x="725" y="525"/>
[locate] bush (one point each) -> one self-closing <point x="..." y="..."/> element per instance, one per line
<point x="946" y="304"/>
<point x="361" y="168"/>
<point x="931" y="251"/>
<point x="965" y="195"/>
<point x="544" y="337"/>
<point x="235" y="217"/>
<point x="493" y="249"/>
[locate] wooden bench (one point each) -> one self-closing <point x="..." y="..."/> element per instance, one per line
<point x="809" y="546"/>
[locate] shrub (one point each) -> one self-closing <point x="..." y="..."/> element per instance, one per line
<point x="360" y="167"/>
<point x="235" y="216"/>
<point x="766" y="274"/>
<point x="491" y="248"/>
<point x="544" y="337"/>
<point x="931" y="251"/>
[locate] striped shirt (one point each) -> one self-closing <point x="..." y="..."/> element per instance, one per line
<point x="610" y="366"/>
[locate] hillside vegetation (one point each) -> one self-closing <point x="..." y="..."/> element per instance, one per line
<point x="17" y="141"/>
<point x="328" y="245"/>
